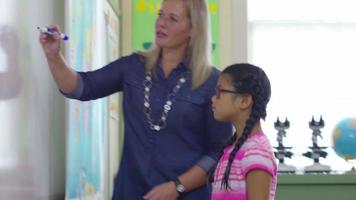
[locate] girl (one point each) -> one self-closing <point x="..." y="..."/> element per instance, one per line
<point x="247" y="168"/>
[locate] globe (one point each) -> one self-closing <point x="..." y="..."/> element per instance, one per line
<point x="344" y="139"/>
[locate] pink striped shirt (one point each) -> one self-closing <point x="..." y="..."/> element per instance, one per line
<point x="255" y="153"/>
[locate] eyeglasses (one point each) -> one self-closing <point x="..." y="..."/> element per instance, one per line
<point x="218" y="92"/>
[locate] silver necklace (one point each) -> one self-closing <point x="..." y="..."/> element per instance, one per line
<point x="161" y="123"/>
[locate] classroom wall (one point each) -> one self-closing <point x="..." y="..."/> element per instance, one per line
<point x="32" y="112"/>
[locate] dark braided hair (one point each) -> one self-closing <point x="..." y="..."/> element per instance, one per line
<point x="252" y="80"/>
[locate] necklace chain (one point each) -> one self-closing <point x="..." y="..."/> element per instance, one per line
<point x="161" y="123"/>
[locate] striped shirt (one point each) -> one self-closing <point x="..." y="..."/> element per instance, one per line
<point x="255" y="153"/>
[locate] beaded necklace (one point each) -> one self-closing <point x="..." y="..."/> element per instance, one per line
<point x="161" y="123"/>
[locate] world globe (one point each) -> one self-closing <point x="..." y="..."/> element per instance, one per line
<point x="344" y="139"/>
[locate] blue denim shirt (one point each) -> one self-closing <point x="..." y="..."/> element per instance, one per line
<point x="191" y="137"/>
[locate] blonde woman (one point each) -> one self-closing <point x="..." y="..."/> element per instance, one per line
<point x="170" y="132"/>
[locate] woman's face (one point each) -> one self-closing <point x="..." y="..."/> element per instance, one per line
<point x="173" y="27"/>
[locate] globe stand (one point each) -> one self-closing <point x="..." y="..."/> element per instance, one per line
<point x="282" y="151"/>
<point x="316" y="151"/>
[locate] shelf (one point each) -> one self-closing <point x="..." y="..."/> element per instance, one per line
<point x="320" y="179"/>
<point x="316" y="186"/>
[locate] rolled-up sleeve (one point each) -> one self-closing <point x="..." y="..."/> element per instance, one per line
<point x="101" y="82"/>
<point x="78" y="90"/>
<point x="217" y="133"/>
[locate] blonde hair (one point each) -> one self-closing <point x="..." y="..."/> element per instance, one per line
<point x="198" y="51"/>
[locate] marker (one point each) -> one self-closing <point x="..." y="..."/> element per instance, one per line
<point x="51" y="31"/>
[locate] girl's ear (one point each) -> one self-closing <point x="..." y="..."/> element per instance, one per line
<point x="246" y="101"/>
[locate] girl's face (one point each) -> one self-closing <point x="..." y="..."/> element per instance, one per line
<point x="173" y="27"/>
<point x="225" y="101"/>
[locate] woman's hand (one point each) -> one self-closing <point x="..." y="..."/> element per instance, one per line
<point x="164" y="191"/>
<point x="64" y="75"/>
<point x="51" y="44"/>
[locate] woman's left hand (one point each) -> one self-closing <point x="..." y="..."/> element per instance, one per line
<point x="164" y="191"/>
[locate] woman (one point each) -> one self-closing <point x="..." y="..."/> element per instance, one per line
<point x="170" y="142"/>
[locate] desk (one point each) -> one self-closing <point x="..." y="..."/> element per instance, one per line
<point x="316" y="187"/>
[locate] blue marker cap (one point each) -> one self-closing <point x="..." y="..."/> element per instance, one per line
<point x="51" y="31"/>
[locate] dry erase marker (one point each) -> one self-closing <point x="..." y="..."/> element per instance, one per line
<point x="51" y="31"/>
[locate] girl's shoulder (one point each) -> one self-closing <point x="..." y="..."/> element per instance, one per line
<point x="257" y="142"/>
<point x="258" y="138"/>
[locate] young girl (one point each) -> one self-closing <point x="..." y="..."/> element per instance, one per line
<point x="247" y="169"/>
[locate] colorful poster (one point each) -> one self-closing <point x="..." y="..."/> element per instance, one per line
<point x="143" y="23"/>
<point x="112" y="32"/>
<point x="214" y="19"/>
<point x="115" y="135"/>
<point x="114" y="4"/>
<point x="86" y="120"/>
<point x="112" y="50"/>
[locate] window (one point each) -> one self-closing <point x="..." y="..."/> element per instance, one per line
<point x="307" y="48"/>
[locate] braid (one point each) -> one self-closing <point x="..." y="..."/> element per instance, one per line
<point x="228" y="143"/>
<point x="254" y="117"/>
<point x="261" y="94"/>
